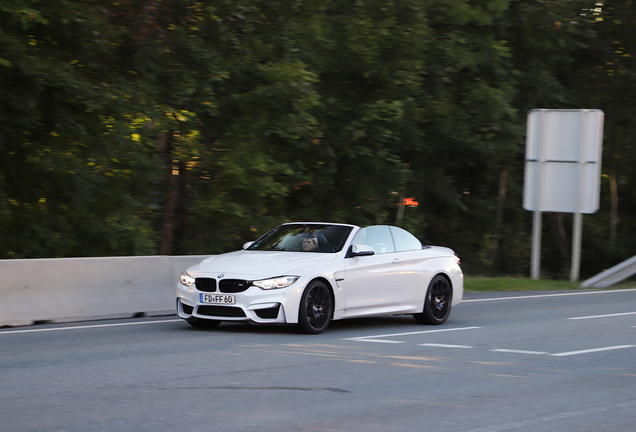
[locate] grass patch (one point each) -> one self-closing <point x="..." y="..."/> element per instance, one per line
<point x="478" y="284"/>
<point x="483" y="284"/>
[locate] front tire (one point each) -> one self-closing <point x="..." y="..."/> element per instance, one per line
<point x="437" y="305"/>
<point x="316" y="308"/>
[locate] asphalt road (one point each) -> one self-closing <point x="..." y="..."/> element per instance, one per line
<point x="549" y="361"/>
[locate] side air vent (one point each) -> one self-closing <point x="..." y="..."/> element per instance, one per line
<point x="269" y="313"/>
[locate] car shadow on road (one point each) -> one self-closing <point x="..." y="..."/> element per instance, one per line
<point x="375" y="324"/>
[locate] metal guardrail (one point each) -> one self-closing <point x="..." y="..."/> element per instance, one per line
<point x="613" y="275"/>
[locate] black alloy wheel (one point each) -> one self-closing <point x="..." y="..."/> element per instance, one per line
<point x="437" y="305"/>
<point x="316" y="308"/>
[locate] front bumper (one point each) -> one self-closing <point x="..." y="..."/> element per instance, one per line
<point x="276" y="306"/>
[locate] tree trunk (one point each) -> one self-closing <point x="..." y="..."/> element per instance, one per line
<point x="400" y="212"/>
<point x="494" y="251"/>
<point x="561" y="239"/>
<point x="167" y="229"/>
<point x="614" y="210"/>
<point x="182" y="210"/>
<point x="613" y="185"/>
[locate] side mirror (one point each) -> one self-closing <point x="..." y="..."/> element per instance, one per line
<point x="248" y="244"/>
<point x="357" y="250"/>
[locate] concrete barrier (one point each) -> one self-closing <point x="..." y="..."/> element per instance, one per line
<point x="79" y="289"/>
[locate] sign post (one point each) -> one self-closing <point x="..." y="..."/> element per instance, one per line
<point x="563" y="171"/>
<point x="535" y="263"/>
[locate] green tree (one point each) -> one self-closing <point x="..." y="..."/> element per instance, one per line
<point x="72" y="180"/>
<point x="183" y="126"/>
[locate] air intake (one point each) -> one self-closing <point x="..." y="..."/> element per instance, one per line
<point x="269" y="313"/>
<point x="221" y="311"/>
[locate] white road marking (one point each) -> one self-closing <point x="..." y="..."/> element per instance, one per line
<point x="563" y="354"/>
<point x="518" y="351"/>
<point x="366" y="338"/>
<point x="548" y="295"/>
<point x="86" y="326"/>
<point x="378" y="340"/>
<point x="603" y="316"/>
<point x="445" y="345"/>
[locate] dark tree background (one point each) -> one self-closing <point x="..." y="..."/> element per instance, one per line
<point x="140" y="127"/>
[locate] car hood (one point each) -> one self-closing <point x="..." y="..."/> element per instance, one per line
<point x="260" y="263"/>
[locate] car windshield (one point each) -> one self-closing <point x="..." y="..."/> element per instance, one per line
<point x="304" y="238"/>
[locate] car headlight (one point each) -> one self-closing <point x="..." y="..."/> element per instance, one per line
<point x="275" y="283"/>
<point x="186" y="279"/>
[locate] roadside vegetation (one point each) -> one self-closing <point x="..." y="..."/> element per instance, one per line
<point x="190" y="127"/>
<point x="479" y="284"/>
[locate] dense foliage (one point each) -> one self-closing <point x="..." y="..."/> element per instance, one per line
<point x="138" y="127"/>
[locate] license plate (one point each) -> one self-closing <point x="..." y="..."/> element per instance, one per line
<point x="217" y="299"/>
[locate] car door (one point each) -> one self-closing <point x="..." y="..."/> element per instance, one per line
<point x="373" y="281"/>
<point x="411" y="256"/>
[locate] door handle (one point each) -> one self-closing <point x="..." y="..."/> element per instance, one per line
<point x="397" y="261"/>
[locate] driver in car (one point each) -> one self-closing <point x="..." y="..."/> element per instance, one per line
<point x="309" y="243"/>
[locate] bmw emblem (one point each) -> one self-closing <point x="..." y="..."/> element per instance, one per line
<point x="221" y="275"/>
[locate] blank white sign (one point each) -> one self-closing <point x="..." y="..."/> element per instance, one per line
<point x="563" y="161"/>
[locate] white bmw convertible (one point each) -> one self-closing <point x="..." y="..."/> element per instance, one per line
<point x="308" y="274"/>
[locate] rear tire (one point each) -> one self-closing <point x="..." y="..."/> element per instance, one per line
<point x="437" y="305"/>
<point x="202" y="323"/>
<point x="316" y="308"/>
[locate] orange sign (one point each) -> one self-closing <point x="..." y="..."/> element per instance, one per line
<point x="410" y="202"/>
